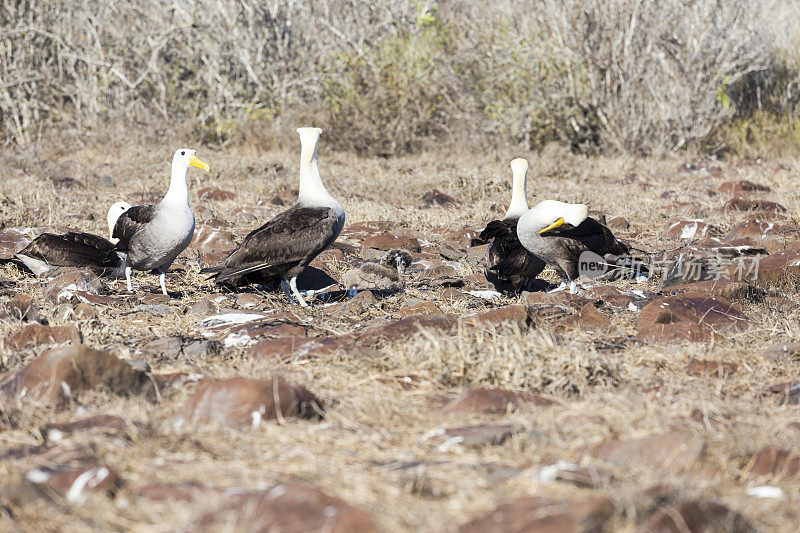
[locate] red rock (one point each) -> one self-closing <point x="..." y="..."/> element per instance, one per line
<point x="36" y="335"/>
<point x="248" y="300"/>
<point x="688" y="318"/>
<point x="775" y="463"/>
<point x="757" y="228"/>
<point x="406" y="328"/>
<point x="742" y="186"/>
<point x="402" y="239"/>
<point x="287" y="507"/>
<point x="22" y="307"/>
<point x="695" y="516"/>
<point x="84" y="311"/>
<point x="470" y="436"/>
<point x="436" y="197"/>
<point x="439" y="270"/>
<point x="74" y="484"/>
<point x="776" y="270"/>
<point x="514" y="314"/>
<point x="618" y="223"/>
<point x="533" y="513"/>
<point x="215" y="194"/>
<point x="242" y="402"/>
<point x="587" y="317"/>
<point x="95" y="423"/>
<point x="63" y="287"/>
<point x="12" y="241"/>
<point x="209" y="240"/>
<point x="694" y="228"/>
<point x="462" y="237"/>
<point x="571" y="473"/>
<point x="420" y="308"/>
<point x="298" y="348"/>
<point x="735" y="291"/>
<point x="177" y="492"/>
<point x="747" y="204"/>
<point x="710" y="369"/>
<point x="670" y="451"/>
<point x="493" y="401"/>
<point x="63" y="373"/>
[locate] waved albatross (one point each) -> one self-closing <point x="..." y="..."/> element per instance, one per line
<point x="49" y="251"/>
<point x="285" y="245"/>
<point x="154" y="235"/>
<point x="559" y="233"/>
<point x="511" y="268"/>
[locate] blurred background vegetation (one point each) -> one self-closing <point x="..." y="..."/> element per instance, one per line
<point x="386" y="77"/>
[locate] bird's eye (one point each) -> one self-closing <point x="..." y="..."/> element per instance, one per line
<point x="183" y="153"/>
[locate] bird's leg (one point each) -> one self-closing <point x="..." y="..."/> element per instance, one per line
<point x="162" y="278"/>
<point x="128" y="278"/>
<point x="286" y="291"/>
<point x="293" y="285"/>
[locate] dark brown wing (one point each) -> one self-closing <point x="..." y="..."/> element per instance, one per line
<point x="70" y="249"/>
<point x="509" y="262"/>
<point x="591" y="235"/>
<point x="292" y="238"/>
<point x="132" y="222"/>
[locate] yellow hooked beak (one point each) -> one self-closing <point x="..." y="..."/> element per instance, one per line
<point x="554" y="225"/>
<point x="194" y="161"/>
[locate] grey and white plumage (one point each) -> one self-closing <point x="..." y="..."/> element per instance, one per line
<point x="510" y="267"/>
<point x="284" y="246"/>
<point x="75" y="249"/>
<point x="559" y="233"/>
<point x="152" y="236"/>
<point x="384" y="275"/>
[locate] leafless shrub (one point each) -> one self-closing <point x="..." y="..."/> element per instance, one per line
<point x="388" y="77"/>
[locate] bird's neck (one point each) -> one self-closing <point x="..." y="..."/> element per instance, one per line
<point x="312" y="191"/>
<point x="519" y="197"/>
<point x="178" y="193"/>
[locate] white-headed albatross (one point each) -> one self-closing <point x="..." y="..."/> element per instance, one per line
<point x="559" y="233"/>
<point x="75" y="249"/>
<point x="154" y="235"/>
<point x="284" y="246"/>
<point x="510" y="267"/>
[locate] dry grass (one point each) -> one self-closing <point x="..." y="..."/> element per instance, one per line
<point x="370" y="426"/>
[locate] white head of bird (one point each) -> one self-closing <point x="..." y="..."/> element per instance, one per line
<point x="178" y="192"/>
<point x="114" y="213"/>
<point x="551" y="214"/>
<point x="519" y="197"/>
<point x="312" y="191"/>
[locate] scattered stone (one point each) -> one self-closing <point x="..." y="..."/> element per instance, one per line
<point x="104" y="423"/>
<point x="407" y="328"/>
<point x="22" y="307"/>
<point x="711" y="369"/>
<point x="12" y="240"/>
<point x="696" y="515"/>
<point x="289" y="507"/>
<point x="75" y="484"/>
<point x="510" y="314"/>
<point x="618" y="223"/>
<point x="782" y="350"/>
<point x="741" y="186"/>
<point x="571" y="473"/>
<point x="754" y="227"/>
<point x="735" y="291"/>
<point x="63" y="287"/>
<point x="194" y="349"/>
<point x="747" y="204"/>
<point x="474" y="401"/>
<point x="436" y="197"/>
<point x="418" y="307"/>
<point x="688" y="318"/>
<point x="299" y="348"/>
<point x="388" y="240"/>
<point x="687" y="229"/>
<point x="215" y="194"/>
<point x="85" y="311"/>
<point x="60" y="374"/>
<point x="242" y="402"/>
<point x="775" y="463"/>
<point x="203" y="307"/>
<point x="587" y="318"/>
<point x="777" y="270"/>
<point x="36" y="335"/>
<point x="670" y="451"/>
<point x="248" y="300"/>
<point x="470" y="436"/>
<point x="535" y="513"/>
<point x="209" y="240"/>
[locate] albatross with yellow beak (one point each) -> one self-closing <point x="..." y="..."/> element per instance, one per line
<point x="559" y="233"/>
<point x="154" y="235"/>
